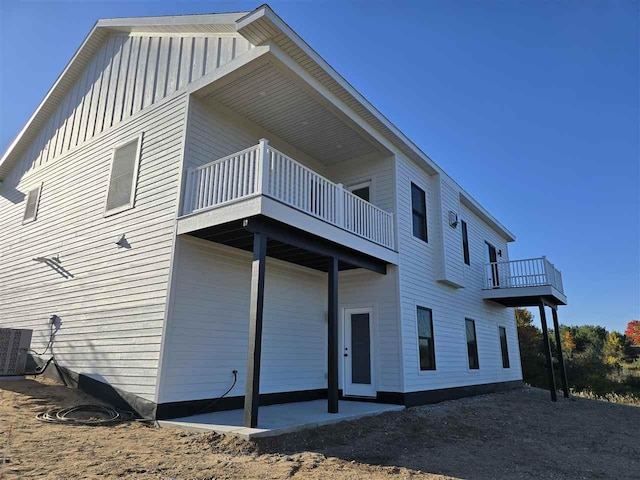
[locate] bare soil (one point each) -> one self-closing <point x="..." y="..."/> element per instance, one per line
<point x="512" y="435"/>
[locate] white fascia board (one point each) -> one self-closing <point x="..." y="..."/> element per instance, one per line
<point x="266" y="13"/>
<point x="173" y="20"/>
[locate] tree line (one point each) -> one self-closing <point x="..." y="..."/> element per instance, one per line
<point x="596" y="360"/>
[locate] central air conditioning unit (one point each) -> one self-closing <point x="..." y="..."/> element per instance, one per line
<point x="14" y="345"/>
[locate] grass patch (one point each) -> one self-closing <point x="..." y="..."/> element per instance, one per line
<point x="625" y="399"/>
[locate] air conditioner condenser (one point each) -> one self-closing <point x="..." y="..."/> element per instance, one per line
<point x="14" y="345"/>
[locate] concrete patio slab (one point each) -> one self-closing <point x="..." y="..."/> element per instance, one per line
<point x="279" y="419"/>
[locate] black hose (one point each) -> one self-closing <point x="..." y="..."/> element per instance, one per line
<point x="214" y="402"/>
<point x="99" y="415"/>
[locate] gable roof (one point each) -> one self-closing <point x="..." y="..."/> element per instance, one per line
<point x="260" y="26"/>
<point x="207" y="23"/>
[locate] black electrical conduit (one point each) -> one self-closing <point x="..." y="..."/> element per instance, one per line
<point x="214" y="402"/>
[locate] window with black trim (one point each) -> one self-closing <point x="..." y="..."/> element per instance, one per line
<point x="465" y="242"/>
<point x="31" y="205"/>
<point x="472" y="343"/>
<point x="124" y="176"/>
<point x="503" y="347"/>
<point x="419" y="212"/>
<point x="426" y="344"/>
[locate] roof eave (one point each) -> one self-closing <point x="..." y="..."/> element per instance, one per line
<point x="263" y="24"/>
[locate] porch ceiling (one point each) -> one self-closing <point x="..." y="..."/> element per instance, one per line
<point x="273" y="100"/>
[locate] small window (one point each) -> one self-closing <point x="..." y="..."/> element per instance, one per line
<point x="503" y="347"/>
<point x="31" y="207"/>
<point x="465" y="242"/>
<point x="472" y="343"/>
<point x="425" y="339"/>
<point x="419" y="211"/>
<point x="123" y="178"/>
<point x="361" y="190"/>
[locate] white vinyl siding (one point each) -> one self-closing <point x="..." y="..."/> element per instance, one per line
<point x="111" y="300"/>
<point x="208" y="325"/>
<point x="214" y="134"/>
<point x="124" y="176"/>
<point x="362" y="289"/>
<point x="376" y="170"/>
<point x="31" y="204"/>
<point x="419" y="273"/>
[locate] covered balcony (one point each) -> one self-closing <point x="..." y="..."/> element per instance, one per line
<point x="520" y="283"/>
<point x="262" y="181"/>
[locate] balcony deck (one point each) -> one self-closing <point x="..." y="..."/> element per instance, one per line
<point x="263" y="182"/>
<point x="522" y="283"/>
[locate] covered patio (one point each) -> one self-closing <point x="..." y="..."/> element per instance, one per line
<point x="279" y="419"/>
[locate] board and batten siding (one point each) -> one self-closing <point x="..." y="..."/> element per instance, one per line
<point x="208" y="325"/>
<point x="127" y="74"/>
<point x="111" y="300"/>
<point x="419" y="273"/>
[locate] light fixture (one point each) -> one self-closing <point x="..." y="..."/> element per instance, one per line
<point x="453" y="219"/>
<point x="123" y="242"/>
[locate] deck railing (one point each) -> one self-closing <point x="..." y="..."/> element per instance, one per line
<point x="532" y="272"/>
<point x="263" y="170"/>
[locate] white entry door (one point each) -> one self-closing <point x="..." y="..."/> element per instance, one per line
<point x="359" y="374"/>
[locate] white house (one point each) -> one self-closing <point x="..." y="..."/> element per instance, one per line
<point x="202" y="197"/>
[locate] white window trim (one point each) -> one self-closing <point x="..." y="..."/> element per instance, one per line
<point x="134" y="183"/>
<point x="35" y="213"/>
<point x="362" y="184"/>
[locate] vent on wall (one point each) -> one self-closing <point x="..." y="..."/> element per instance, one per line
<point x="14" y="345"/>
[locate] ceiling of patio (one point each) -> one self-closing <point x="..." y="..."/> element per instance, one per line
<point x="277" y="103"/>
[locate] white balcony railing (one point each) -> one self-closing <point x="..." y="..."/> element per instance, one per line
<point x="532" y="272"/>
<point x="263" y="170"/>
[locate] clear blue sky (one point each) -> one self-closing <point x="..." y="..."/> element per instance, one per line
<point x="533" y="107"/>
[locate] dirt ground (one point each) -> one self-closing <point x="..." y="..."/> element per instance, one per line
<point x="513" y="435"/>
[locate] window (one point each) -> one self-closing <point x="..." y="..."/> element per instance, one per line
<point x="425" y="339"/>
<point x="465" y="242"/>
<point x="124" y="173"/>
<point x="419" y="211"/>
<point x="361" y="190"/>
<point x="472" y="343"/>
<point x="503" y="347"/>
<point x="31" y="206"/>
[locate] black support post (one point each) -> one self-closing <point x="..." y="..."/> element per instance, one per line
<point x="332" y="336"/>
<point x="563" y="372"/>
<point x="252" y="390"/>
<point x="547" y="351"/>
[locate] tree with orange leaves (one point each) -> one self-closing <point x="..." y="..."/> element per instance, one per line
<point x="633" y="331"/>
<point x="568" y="342"/>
